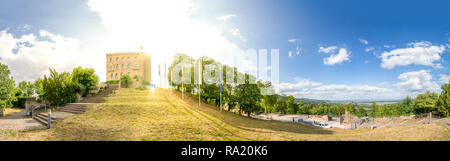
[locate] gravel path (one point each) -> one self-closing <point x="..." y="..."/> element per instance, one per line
<point x="19" y="121"/>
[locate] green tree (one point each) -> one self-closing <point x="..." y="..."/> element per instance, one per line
<point x="38" y="88"/>
<point x="249" y="96"/>
<point x="291" y="106"/>
<point x="360" y="112"/>
<point x="125" y="81"/>
<point x="426" y="102"/>
<point x="7" y="87"/>
<point x="443" y="102"/>
<point x="374" y="110"/>
<point x="280" y="106"/>
<point x="27" y="89"/>
<point x="268" y="101"/>
<point x="85" y="79"/>
<point x="350" y="108"/>
<point x="303" y="108"/>
<point x="59" y="88"/>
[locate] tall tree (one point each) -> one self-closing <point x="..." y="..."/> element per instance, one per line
<point x="7" y="87"/>
<point x="85" y="78"/>
<point x="59" y="88"/>
<point x="291" y="107"/>
<point x="426" y="102"/>
<point x="280" y="106"/>
<point x="249" y="96"/>
<point x="27" y="89"/>
<point x="38" y="88"/>
<point x="443" y="102"/>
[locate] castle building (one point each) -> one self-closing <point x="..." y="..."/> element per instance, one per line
<point x="131" y="63"/>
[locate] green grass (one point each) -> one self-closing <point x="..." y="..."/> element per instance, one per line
<point x="10" y="111"/>
<point x="163" y="115"/>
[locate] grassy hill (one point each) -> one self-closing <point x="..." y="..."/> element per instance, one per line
<point x="163" y="115"/>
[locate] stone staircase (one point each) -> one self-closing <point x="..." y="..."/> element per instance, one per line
<point x="75" y="108"/>
<point x="43" y="118"/>
<point x="99" y="97"/>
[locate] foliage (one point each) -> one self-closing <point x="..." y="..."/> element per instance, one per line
<point x="85" y="78"/>
<point x="125" y="81"/>
<point x="443" y="103"/>
<point x="248" y="96"/>
<point x="7" y="87"/>
<point x="280" y="106"/>
<point x="425" y="102"/>
<point x="291" y="106"/>
<point x="59" y="88"/>
<point x="20" y="103"/>
<point x="112" y="82"/>
<point x="38" y="88"/>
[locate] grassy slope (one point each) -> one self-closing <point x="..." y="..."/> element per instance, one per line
<point x="162" y="115"/>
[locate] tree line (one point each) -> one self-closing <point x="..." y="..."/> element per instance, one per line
<point x="57" y="88"/>
<point x="247" y="97"/>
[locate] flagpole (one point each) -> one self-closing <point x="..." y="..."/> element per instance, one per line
<point x="221" y="87"/>
<point x="200" y="80"/>
<point x="182" y="81"/>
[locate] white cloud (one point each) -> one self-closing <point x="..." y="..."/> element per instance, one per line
<point x="419" y="53"/>
<point x="342" y="56"/>
<point x="163" y="28"/>
<point x="305" y="88"/>
<point x="411" y="84"/>
<point x="24" y="28"/>
<point x="30" y="56"/>
<point x="364" y="41"/>
<point x="225" y="17"/>
<point x="327" y="50"/>
<point x="286" y="87"/>
<point x="417" y="81"/>
<point x="444" y="79"/>
<point x="236" y="32"/>
<point x="292" y="40"/>
<point x="368" y="49"/>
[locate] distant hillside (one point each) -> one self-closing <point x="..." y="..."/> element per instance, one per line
<point x="304" y="100"/>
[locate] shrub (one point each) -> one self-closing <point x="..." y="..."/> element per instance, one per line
<point x="20" y="103"/>
<point x="85" y="78"/>
<point x="125" y="81"/>
<point x="59" y="88"/>
<point x="113" y="82"/>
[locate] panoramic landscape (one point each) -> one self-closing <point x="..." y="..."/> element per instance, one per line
<point x="193" y="70"/>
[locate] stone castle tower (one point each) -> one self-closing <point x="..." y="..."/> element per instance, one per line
<point x="131" y="63"/>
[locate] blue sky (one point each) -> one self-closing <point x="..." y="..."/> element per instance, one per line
<point x="413" y="37"/>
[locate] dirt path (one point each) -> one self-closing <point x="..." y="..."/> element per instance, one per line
<point x="19" y="121"/>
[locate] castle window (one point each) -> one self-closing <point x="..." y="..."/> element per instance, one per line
<point x="110" y="59"/>
<point x="117" y="59"/>
<point x="128" y="58"/>
<point x="123" y="66"/>
<point x="117" y="67"/>
<point x="112" y="76"/>
<point x="136" y="66"/>
<point x="111" y="67"/>
<point x="117" y="76"/>
<point x="128" y="66"/>
<point x="123" y="59"/>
